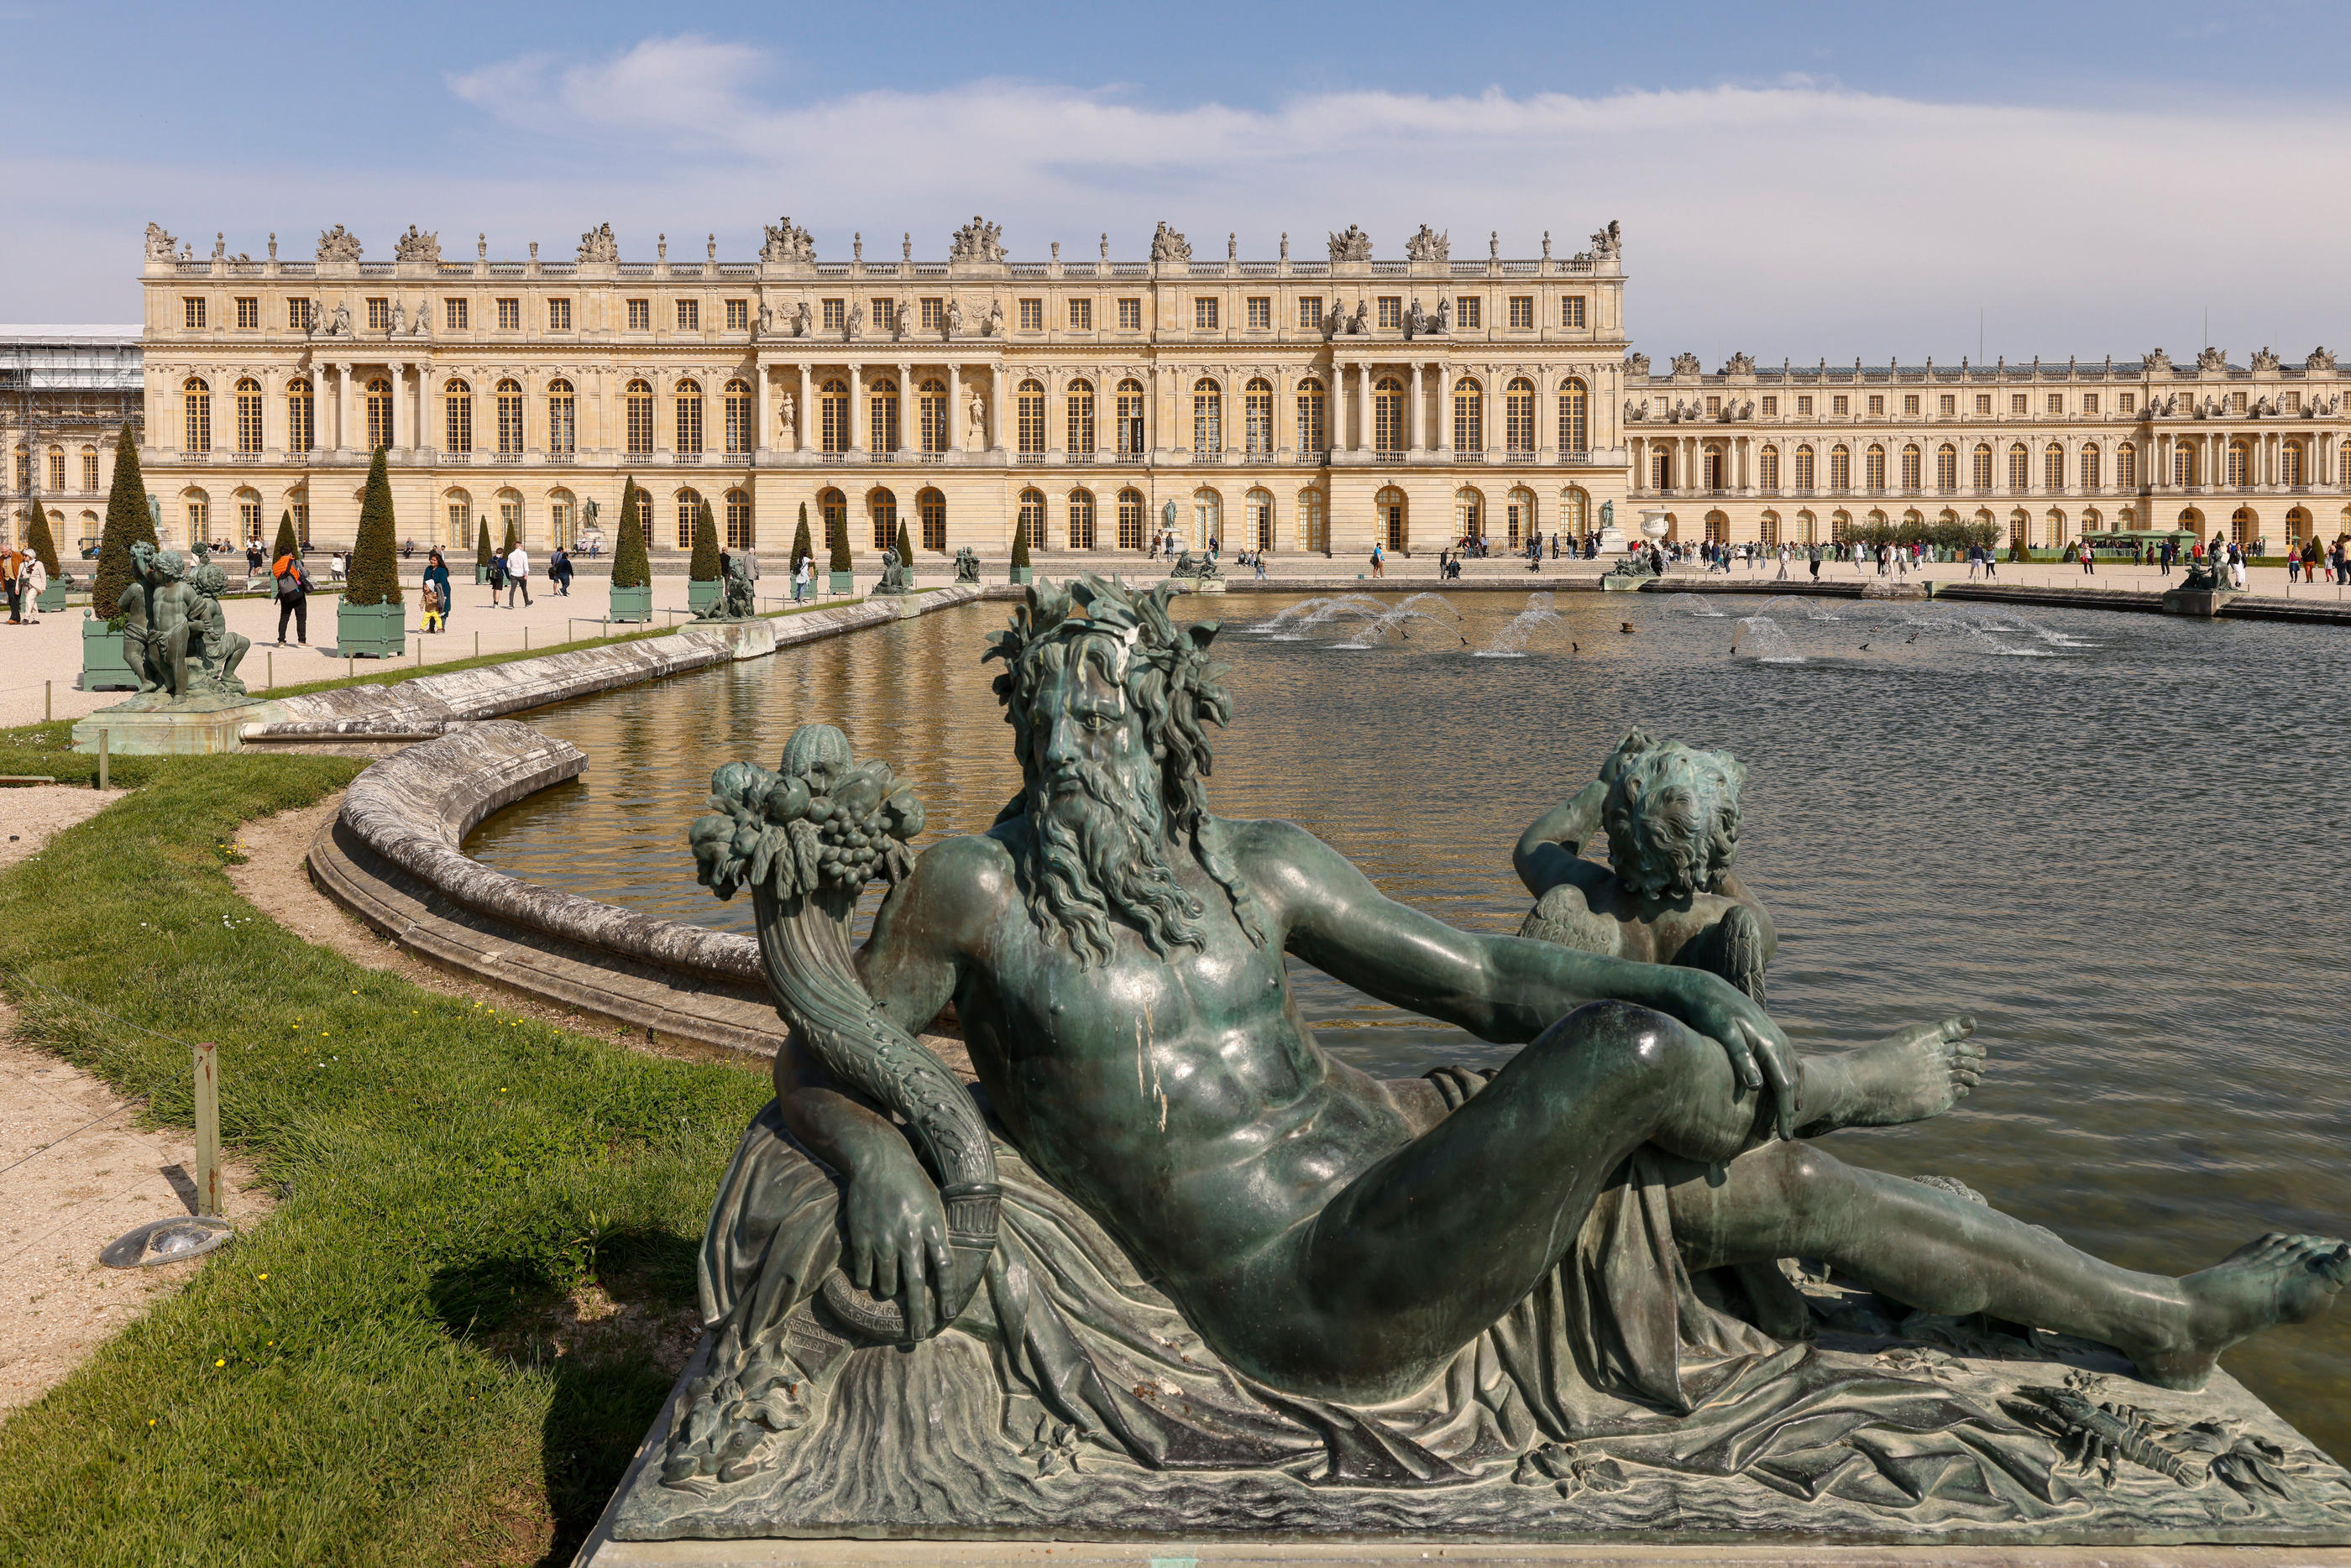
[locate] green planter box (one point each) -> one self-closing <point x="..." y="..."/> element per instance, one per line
<point x="103" y="668"/>
<point x="700" y="596"/>
<point x="632" y="604"/>
<point x="481" y="575"/>
<point x="844" y="583"/>
<point x="52" y="600"/>
<point x="371" y="631"/>
<point x="1024" y="573"/>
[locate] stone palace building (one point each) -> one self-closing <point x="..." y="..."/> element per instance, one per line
<point x="1288" y="405"/>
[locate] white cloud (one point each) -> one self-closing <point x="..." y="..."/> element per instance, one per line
<point x="1797" y="217"/>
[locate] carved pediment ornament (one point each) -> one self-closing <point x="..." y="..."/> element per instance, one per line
<point x="338" y="244"/>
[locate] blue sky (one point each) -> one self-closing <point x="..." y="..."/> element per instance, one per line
<point x="1800" y="180"/>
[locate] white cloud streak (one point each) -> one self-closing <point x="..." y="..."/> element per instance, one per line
<point x="1801" y="218"/>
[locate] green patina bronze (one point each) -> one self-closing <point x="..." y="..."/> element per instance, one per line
<point x="736" y="599"/>
<point x="1165" y="1233"/>
<point x="175" y="637"/>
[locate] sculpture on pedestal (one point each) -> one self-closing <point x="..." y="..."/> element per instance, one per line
<point x="966" y="564"/>
<point x="736" y="600"/>
<point x="1168" y="1267"/>
<point x="897" y="575"/>
<point x="175" y="637"/>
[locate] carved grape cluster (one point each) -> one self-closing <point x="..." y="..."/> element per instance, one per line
<point x="823" y="821"/>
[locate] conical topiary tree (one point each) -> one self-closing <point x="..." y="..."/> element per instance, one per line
<point x="481" y="542"/>
<point x="127" y="521"/>
<point x="286" y="544"/>
<point x="801" y="551"/>
<point x="837" y="534"/>
<point x="1021" y="543"/>
<point x="629" y="567"/>
<point x="906" y="545"/>
<point x="38" y="540"/>
<point x="507" y="548"/>
<point x="704" y="568"/>
<point x="374" y="574"/>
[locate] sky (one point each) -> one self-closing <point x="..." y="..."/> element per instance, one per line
<point x="1808" y="181"/>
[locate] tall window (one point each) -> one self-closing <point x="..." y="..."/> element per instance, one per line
<point x="934" y="416"/>
<point x="1130" y="315"/>
<point x="1388" y="434"/>
<point x="1130" y="520"/>
<point x="1082" y="519"/>
<point x="1032" y="315"/>
<point x="460" y="513"/>
<point x="1260" y="313"/>
<point x="562" y="520"/>
<point x="1028" y="412"/>
<point x="558" y="316"/>
<point x="833" y="507"/>
<point x="1469" y="416"/>
<point x="301" y="314"/>
<point x="883" y="504"/>
<point x="509" y="315"/>
<point x="2019" y="467"/>
<point x="1574" y="427"/>
<point x="379" y="313"/>
<point x="1309" y="312"/>
<point x="641" y="316"/>
<point x="2127" y="466"/>
<point x="562" y="434"/>
<point x="1519" y="416"/>
<point x="509" y="395"/>
<point x="1030" y="519"/>
<point x="638" y="403"/>
<point x="689" y="316"/>
<point x="57" y="466"/>
<point x="1081" y="408"/>
<point x="1912" y="469"/>
<point x="1840" y="468"/>
<point x="90" y="467"/>
<point x="1130" y="417"/>
<point x="1523" y="312"/>
<point x="196" y="419"/>
<point x="1947" y="469"/>
<point x="2290" y="464"/>
<point x="248" y="516"/>
<point x="248" y="419"/>
<point x="301" y="420"/>
<point x="740" y="535"/>
<point x="1767" y="468"/>
<point x="1258" y="514"/>
<point x="1256" y="417"/>
<point x="932" y="506"/>
<point x="882" y="406"/>
<point x="2183" y="463"/>
<point x="1207" y="518"/>
<point x="454" y="319"/>
<point x="1314" y="426"/>
<point x="200" y="517"/>
<point x="192" y="312"/>
<point x="458" y="417"/>
<point x="1805" y="468"/>
<point x="833" y="410"/>
<point x="1874" y="468"/>
<point x="1982" y="469"/>
<point x="1570" y="310"/>
<point x="2241" y="454"/>
<point x="1208" y="416"/>
<point x="740" y="436"/>
<point x="378" y="413"/>
<point x="689" y="413"/>
<point x="1313" y="522"/>
<point x="689" y="505"/>
<point x="1204" y="314"/>
<point x="2053" y="467"/>
<point x="2090" y="466"/>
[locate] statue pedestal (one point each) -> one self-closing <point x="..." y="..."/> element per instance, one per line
<point x="2196" y="602"/>
<point x="201" y="726"/>
<point x="1612" y="540"/>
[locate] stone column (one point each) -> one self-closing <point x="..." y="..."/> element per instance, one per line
<point x="802" y="414"/>
<point x="857" y="408"/>
<point x="994" y="434"/>
<point x="342" y="406"/>
<point x="954" y="408"/>
<point x="762" y="407"/>
<point x="909" y="408"/>
<point x="1419" y="429"/>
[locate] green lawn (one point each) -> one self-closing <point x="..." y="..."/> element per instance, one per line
<point x="391" y="1368"/>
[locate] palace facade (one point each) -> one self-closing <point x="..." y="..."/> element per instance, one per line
<point x="1285" y="405"/>
<point x="65" y="394"/>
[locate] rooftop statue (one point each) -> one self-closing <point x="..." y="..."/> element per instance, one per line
<point x="417" y="246"/>
<point x="787" y="242"/>
<point x="338" y="245"/>
<point x="1428" y="246"/>
<point x="596" y="244"/>
<point x="161" y="245"/>
<point x="978" y="241"/>
<point x="1165" y="1233"/>
<point x="1169" y="245"/>
<point x="1352" y="245"/>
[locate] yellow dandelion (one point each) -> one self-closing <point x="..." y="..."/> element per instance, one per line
<point x="221" y="1363"/>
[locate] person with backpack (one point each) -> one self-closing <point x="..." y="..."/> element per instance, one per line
<point x="436" y="582"/>
<point x="291" y="581"/>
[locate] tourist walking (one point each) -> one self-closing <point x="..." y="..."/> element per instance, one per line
<point x="436" y="579"/>
<point x="291" y="581"/>
<point x="31" y="579"/>
<point x="494" y="573"/>
<point x="517" y="575"/>
<point x="9" y="561"/>
<point x="802" y="581"/>
<point x="558" y="572"/>
<point x="1379" y="560"/>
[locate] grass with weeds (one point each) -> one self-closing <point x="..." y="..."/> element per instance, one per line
<point x="446" y="1339"/>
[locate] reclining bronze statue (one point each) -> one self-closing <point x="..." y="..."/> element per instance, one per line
<point x="1165" y="1233"/>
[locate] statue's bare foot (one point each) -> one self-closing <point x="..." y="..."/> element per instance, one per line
<point x="1914" y="1074"/>
<point x="2278" y="1278"/>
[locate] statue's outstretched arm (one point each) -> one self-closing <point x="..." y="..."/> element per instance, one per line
<point x="1549" y="851"/>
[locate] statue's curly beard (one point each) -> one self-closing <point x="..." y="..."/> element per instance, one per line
<point x="1095" y="853"/>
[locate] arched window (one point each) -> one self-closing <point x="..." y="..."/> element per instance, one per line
<point x="1130" y="419"/>
<point x="1028" y="412"/>
<point x="1874" y="468"/>
<point x="1947" y="469"/>
<point x="197" y="419"/>
<point x="882" y="418"/>
<point x="1392" y="520"/>
<point x="934" y="415"/>
<point x="1768" y="529"/>
<point x="1519" y="419"/>
<point x="1982" y="467"/>
<point x="510" y="519"/>
<point x="2019" y="467"/>
<point x="1805" y="468"/>
<point x="248" y="514"/>
<point x="1313" y="420"/>
<point x="689" y="503"/>
<point x="1913" y="466"/>
<point x="301" y="424"/>
<point x="2127" y="466"/>
<point x="638" y="401"/>
<point x="1767" y="468"/>
<point x="1468" y="514"/>
<point x="458" y="417"/>
<point x="1257" y="419"/>
<point x="1207" y="518"/>
<point x="644" y="516"/>
<point x="883" y="507"/>
<point x="248" y="421"/>
<point x="2241" y="463"/>
<point x="199" y="507"/>
<point x="687" y="402"/>
<point x="1469" y="416"/>
<point x="1388" y="434"/>
<point x="831" y="503"/>
<point x="832" y="401"/>
<point x="1519" y="510"/>
<point x="1130" y="517"/>
<point x="509" y="395"/>
<point x="1840" y="467"/>
<point x="1208" y="416"/>
<point x="2290" y="464"/>
<point x="562" y="519"/>
<point x="741" y="437"/>
<point x="1575" y="425"/>
<point x="1079" y="404"/>
<point x="2090" y="466"/>
<point x="1313" y="522"/>
<point x="1575" y="512"/>
<point x="740" y="534"/>
<point x="90" y="468"/>
<point x="56" y="467"/>
<point x="1718" y="529"/>
<point x="378" y="413"/>
<point x="2053" y="468"/>
<point x="1031" y="520"/>
<point x="458" y="508"/>
<point x="2242" y="523"/>
<point x="562" y="434"/>
<point x="931" y="508"/>
<point x="1082" y="519"/>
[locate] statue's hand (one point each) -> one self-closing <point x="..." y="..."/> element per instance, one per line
<point x="895" y="1232"/>
<point x="1760" y="1051"/>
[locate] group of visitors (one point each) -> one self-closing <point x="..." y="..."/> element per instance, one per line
<point x="22" y="576"/>
<point x="2313" y="564"/>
